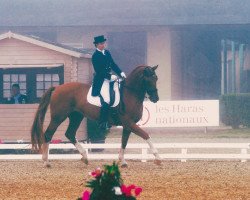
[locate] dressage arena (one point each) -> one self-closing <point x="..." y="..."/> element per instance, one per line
<point x="173" y="180"/>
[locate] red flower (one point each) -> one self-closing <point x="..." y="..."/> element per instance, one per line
<point x="138" y="190"/>
<point x="56" y="141"/>
<point x="96" y="173"/>
<point x="86" y="195"/>
<point x="123" y="188"/>
<point x="126" y="190"/>
<point x="131" y="187"/>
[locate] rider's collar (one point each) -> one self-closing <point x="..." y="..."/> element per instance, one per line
<point x="103" y="51"/>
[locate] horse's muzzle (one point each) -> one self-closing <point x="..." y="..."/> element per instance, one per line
<point x="153" y="95"/>
<point x="154" y="98"/>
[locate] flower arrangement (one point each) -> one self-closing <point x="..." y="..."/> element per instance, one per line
<point x="108" y="185"/>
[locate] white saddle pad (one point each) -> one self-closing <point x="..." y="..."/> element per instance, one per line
<point x="105" y="94"/>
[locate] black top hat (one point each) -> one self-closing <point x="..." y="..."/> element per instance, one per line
<point x="99" y="39"/>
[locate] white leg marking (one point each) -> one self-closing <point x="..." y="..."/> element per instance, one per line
<point x="45" y="156"/>
<point x="122" y="159"/>
<point x="82" y="151"/>
<point x="154" y="150"/>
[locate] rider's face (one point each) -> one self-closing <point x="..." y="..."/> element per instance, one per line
<point x="101" y="46"/>
<point x="15" y="91"/>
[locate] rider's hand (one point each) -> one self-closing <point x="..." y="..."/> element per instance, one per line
<point x="123" y="75"/>
<point x="113" y="77"/>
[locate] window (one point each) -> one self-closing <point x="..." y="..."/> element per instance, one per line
<point x="235" y="67"/>
<point x="33" y="81"/>
<point x="44" y="82"/>
<point x="10" y="79"/>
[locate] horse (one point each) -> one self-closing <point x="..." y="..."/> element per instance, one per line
<point x="69" y="100"/>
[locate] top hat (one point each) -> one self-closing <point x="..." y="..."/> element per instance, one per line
<point x="99" y="39"/>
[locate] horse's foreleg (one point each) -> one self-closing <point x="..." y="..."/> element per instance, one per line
<point x="125" y="137"/>
<point x="138" y="131"/>
<point x="82" y="151"/>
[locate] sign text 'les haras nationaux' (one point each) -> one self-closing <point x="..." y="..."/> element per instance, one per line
<point x="193" y="113"/>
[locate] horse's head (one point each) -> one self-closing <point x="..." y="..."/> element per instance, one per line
<point x="150" y="79"/>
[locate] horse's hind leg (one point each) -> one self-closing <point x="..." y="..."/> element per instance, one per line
<point x="125" y="136"/>
<point x="47" y="138"/>
<point x="75" y="120"/>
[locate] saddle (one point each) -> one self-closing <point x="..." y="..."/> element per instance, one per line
<point x="110" y="94"/>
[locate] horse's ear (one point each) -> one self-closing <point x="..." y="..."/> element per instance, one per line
<point x="155" y="67"/>
<point x="147" y="71"/>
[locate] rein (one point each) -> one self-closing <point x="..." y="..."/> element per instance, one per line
<point x="135" y="91"/>
<point x="130" y="88"/>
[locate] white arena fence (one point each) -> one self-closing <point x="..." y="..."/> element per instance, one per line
<point x="182" y="149"/>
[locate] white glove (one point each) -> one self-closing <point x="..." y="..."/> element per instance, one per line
<point x="113" y="77"/>
<point x="123" y="75"/>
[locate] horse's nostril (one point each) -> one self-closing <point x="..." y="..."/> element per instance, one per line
<point x="154" y="99"/>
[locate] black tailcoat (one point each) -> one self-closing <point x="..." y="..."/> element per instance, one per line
<point x="103" y="64"/>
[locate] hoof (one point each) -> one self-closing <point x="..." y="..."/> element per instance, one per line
<point x="46" y="165"/>
<point x="124" y="165"/>
<point x="44" y="159"/>
<point x="157" y="162"/>
<point x="85" y="160"/>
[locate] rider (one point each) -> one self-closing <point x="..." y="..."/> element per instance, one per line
<point x="103" y="63"/>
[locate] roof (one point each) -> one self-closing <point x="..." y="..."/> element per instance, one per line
<point x="48" y="44"/>
<point x="122" y="12"/>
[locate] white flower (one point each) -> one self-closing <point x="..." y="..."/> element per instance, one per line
<point x="117" y="190"/>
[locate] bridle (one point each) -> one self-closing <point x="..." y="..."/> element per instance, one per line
<point x="149" y="92"/>
<point x="152" y="91"/>
<point x="130" y="88"/>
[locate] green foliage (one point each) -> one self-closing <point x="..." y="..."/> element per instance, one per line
<point x="235" y="110"/>
<point x="104" y="182"/>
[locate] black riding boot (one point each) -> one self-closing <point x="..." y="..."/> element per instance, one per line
<point x="104" y="113"/>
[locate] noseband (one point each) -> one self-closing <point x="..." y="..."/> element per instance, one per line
<point x="150" y="92"/>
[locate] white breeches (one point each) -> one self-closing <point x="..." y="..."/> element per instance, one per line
<point x="105" y="91"/>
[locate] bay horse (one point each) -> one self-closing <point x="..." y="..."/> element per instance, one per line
<point x="70" y="101"/>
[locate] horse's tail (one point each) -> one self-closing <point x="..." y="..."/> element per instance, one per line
<point x="37" y="127"/>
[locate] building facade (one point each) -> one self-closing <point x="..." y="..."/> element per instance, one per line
<point x="201" y="47"/>
<point x="35" y="65"/>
